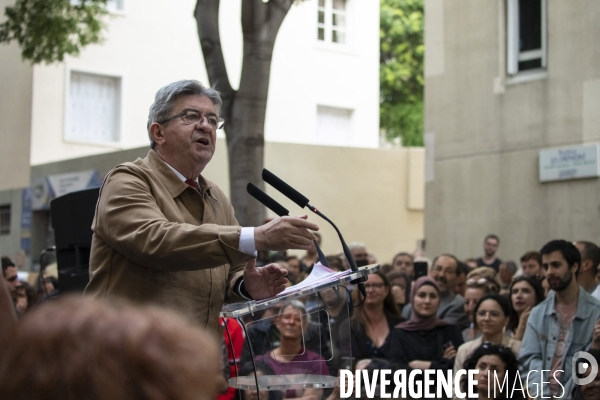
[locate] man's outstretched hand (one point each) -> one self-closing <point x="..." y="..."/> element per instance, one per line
<point x="264" y="282"/>
<point x="285" y="233"/>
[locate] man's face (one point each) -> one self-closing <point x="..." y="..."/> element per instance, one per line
<point x="192" y="144"/>
<point x="404" y="264"/>
<point x="558" y="273"/>
<point x="12" y="281"/>
<point x="490" y="247"/>
<point x="444" y="273"/>
<point x="586" y="264"/>
<point x="359" y="253"/>
<point x="532" y="268"/>
<point x="461" y="284"/>
<point x="505" y="274"/>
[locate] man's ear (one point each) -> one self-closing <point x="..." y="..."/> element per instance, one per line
<point x="157" y="133"/>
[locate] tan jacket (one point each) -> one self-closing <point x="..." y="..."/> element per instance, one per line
<point x="157" y="240"/>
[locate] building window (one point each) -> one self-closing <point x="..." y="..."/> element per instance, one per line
<point x="527" y="35"/>
<point x="5" y="220"/>
<point x="331" y="21"/>
<point x="334" y="126"/>
<point x="93" y="108"/>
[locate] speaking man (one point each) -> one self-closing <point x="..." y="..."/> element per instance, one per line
<point x="164" y="234"/>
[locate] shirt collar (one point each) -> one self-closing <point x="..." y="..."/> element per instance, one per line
<point x="180" y="175"/>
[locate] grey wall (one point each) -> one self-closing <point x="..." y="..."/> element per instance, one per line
<point x="485" y="162"/>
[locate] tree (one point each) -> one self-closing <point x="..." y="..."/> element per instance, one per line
<point x="243" y="109"/>
<point x="401" y="70"/>
<point x="46" y="30"/>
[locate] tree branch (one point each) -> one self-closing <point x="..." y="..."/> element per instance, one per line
<point x="207" y="20"/>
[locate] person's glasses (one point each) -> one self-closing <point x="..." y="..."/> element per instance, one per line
<point x="492" y="314"/>
<point x="191" y="117"/>
<point x="377" y="286"/>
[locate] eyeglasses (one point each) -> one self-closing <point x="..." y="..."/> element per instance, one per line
<point x="491" y="285"/>
<point x="377" y="286"/>
<point x="192" y="117"/>
<point x="493" y="314"/>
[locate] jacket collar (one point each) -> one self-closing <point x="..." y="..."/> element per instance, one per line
<point x="583" y="311"/>
<point x="172" y="182"/>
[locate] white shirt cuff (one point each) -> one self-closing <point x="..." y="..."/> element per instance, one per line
<point x="247" y="241"/>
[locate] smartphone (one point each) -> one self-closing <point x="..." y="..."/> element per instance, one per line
<point x="420" y="269"/>
<point x="447" y="345"/>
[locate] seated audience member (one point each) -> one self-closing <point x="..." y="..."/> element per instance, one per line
<point x="82" y="349"/>
<point x="9" y="272"/>
<point x="425" y="341"/>
<point x="292" y="265"/>
<point x="489" y="276"/>
<point x="476" y="289"/>
<point x="568" y="315"/>
<point x="262" y="369"/>
<point x="451" y="308"/>
<point x="506" y="272"/>
<point x="590" y="258"/>
<point x="492" y="314"/>
<point x="490" y="247"/>
<point x="372" y="322"/>
<point x="531" y="265"/>
<point x="525" y="293"/>
<point x="264" y="334"/>
<point x="491" y="359"/>
<point x="359" y="253"/>
<point x="400" y="283"/>
<point x="461" y="278"/>
<point x="589" y="391"/>
<point x="291" y="357"/>
<point x="404" y="262"/>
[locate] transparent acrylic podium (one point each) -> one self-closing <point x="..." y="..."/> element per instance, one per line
<point x="299" y="339"/>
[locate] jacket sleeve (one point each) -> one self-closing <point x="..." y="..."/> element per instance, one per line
<point x="455" y="314"/>
<point x="129" y="220"/>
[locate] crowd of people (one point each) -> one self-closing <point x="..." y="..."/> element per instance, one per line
<point x="490" y="315"/>
<point x="480" y="313"/>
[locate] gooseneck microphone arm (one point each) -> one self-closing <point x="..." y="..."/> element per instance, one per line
<point x="302" y="202"/>
<point x="280" y="210"/>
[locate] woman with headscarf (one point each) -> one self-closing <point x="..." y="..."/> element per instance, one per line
<point x="425" y="341"/>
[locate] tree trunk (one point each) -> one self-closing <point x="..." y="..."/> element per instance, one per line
<point x="243" y="110"/>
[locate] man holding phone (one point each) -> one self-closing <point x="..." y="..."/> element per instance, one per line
<point x="451" y="308"/>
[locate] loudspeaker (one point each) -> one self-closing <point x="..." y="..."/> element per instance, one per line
<point x="72" y="216"/>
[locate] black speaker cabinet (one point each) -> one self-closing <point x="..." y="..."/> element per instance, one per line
<point x="72" y="216"/>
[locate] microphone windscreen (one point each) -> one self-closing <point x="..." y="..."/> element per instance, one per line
<point x="266" y="200"/>
<point x="284" y="188"/>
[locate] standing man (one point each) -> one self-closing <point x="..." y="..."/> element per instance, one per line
<point x="451" y="308"/>
<point x="559" y="326"/>
<point x="404" y="262"/>
<point x="490" y="247"/>
<point x="590" y="258"/>
<point x="163" y="234"/>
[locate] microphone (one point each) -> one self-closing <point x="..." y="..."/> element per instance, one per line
<point x="302" y="201"/>
<point x="280" y="210"/>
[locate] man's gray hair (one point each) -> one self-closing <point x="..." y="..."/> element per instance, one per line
<point x="165" y="98"/>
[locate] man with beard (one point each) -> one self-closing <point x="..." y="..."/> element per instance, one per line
<point x="559" y="326"/>
<point x="451" y="308"/>
<point x="490" y="247"/>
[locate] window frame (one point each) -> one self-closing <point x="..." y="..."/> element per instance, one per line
<point x="328" y="26"/>
<point x="118" y="144"/>
<point x="513" y="55"/>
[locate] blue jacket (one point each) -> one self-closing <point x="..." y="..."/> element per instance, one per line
<point x="541" y="336"/>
